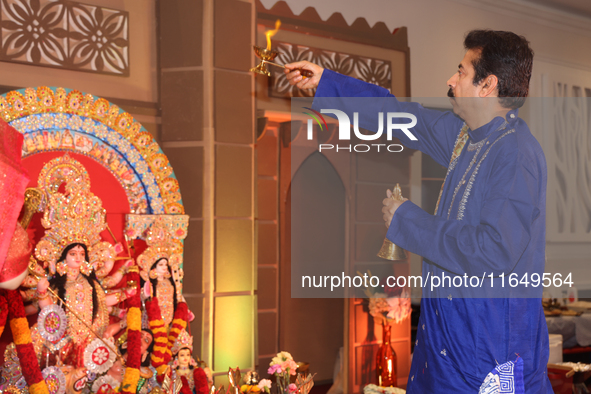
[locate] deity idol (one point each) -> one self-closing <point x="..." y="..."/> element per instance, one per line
<point x="185" y="366"/>
<point x="163" y="288"/>
<point x="160" y="270"/>
<point x="73" y="221"/>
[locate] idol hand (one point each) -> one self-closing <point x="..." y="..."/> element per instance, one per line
<point x="294" y="76"/>
<point x="42" y="285"/>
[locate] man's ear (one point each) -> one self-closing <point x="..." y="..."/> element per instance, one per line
<point x="489" y="86"/>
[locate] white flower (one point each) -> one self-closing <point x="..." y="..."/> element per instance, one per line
<point x="281" y="357"/>
<point x="100" y="355"/>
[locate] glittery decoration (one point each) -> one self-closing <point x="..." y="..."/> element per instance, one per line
<point x="165" y="295"/>
<point x="468" y="189"/>
<point x="55" y="347"/>
<point x="105" y="383"/>
<point x="98" y="358"/>
<point x="55" y="380"/>
<point x="164" y="235"/>
<point x="137" y="225"/>
<point x="76" y="216"/>
<point x="184" y="340"/>
<point x="12" y="390"/>
<point x="79" y="299"/>
<point x="11" y="370"/>
<point x="58" y="119"/>
<point x="52" y="323"/>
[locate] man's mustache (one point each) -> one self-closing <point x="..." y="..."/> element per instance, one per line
<point x="450" y="93"/>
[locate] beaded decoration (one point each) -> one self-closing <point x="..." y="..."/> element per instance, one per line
<point x="184" y="340"/>
<point x="76" y="216"/>
<point x="164" y="235"/>
<point x="59" y="119"/>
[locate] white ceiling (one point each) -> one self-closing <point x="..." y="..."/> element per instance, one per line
<point x="577" y="7"/>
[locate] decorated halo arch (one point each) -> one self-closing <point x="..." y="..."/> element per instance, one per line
<point x="59" y="119"/>
<point x="55" y="119"/>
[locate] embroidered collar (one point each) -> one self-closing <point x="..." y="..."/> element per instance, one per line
<point x="497" y="124"/>
<point x="484" y="131"/>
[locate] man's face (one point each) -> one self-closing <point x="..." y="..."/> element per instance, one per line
<point x="461" y="85"/>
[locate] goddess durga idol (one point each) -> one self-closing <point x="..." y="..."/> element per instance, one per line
<point x="71" y="249"/>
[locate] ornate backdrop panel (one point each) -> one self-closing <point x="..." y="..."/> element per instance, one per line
<point x="567" y="123"/>
<point x="65" y="34"/>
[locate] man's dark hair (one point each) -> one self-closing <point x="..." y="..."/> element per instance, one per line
<point x="507" y="56"/>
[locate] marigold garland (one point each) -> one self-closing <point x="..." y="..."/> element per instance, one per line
<point x="179" y="323"/>
<point x="134" y="319"/>
<point x="132" y="376"/>
<point x="24" y="347"/>
<point x="134" y="337"/>
<point x="3" y="313"/>
<point x="160" y="336"/>
<point x="19" y="327"/>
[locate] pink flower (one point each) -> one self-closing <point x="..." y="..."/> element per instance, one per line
<point x="292" y="388"/>
<point x="265" y="385"/>
<point x="274" y="369"/>
<point x="289" y="365"/>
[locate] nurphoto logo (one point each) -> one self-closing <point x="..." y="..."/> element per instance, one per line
<point x="392" y="120"/>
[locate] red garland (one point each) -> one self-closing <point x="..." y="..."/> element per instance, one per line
<point x="134" y="300"/>
<point x="3" y="313"/>
<point x="159" y="356"/>
<point x="179" y="323"/>
<point x="25" y="352"/>
<point x="200" y="379"/>
<point x="134" y="356"/>
<point x="186" y="389"/>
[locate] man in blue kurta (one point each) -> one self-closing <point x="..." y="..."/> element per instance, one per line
<point x="490" y="219"/>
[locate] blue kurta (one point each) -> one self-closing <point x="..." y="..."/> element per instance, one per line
<point x="491" y="218"/>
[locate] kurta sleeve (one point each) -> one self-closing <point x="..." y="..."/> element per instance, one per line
<point x="435" y="131"/>
<point x="496" y="243"/>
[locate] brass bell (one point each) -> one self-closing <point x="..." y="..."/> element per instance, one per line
<point x="389" y="250"/>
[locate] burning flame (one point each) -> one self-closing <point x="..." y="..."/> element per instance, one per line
<point x="271" y="33"/>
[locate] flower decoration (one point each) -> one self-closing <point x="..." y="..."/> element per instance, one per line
<point x="21" y="334"/>
<point x="52" y="323"/>
<point x="265" y="385"/>
<point x="55" y="380"/>
<point x="98" y="358"/>
<point x="105" y="383"/>
<point x="391" y="305"/>
<point x="283" y="366"/>
<point x="134" y="327"/>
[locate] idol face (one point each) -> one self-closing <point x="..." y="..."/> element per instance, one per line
<point x="162" y="267"/>
<point x="75" y="257"/>
<point x="184" y="357"/>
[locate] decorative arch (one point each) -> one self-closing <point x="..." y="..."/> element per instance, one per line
<point x="54" y="119"/>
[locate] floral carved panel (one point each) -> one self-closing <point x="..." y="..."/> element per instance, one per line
<point x="65" y="34"/>
<point x="569" y="158"/>
<point x="376" y="71"/>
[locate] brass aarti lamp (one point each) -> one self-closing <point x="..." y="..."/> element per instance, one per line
<point x="267" y="55"/>
<point x="389" y="250"/>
